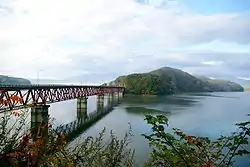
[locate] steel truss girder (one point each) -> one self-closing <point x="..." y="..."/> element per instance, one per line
<point x="29" y="96"/>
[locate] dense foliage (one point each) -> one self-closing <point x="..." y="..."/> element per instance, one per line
<point x="214" y="85"/>
<point x="169" y="80"/>
<point x="147" y="84"/>
<point x="22" y="146"/>
<point x="19" y="149"/>
<point x="183" y="150"/>
<point x="182" y="81"/>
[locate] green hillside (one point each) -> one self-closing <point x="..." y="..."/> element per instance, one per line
<point x="181" y="81"/>
<point x="144" y="84"/>
<point x="13" y="81"/>
<point x="217" y="85"/>
<point x="168" y="80"/>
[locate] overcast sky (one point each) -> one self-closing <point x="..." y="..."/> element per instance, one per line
<point x="93" y="41"/>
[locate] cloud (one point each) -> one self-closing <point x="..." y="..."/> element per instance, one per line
<point x="99" y="39"/>
<point x="244" y="78"/>
<point x="212" y="63"/>
<point x="233" y="64"/>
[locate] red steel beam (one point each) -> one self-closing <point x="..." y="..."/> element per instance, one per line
<point x="12" y="98"/>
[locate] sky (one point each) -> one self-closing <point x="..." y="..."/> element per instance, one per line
<point x="83" y="41"/>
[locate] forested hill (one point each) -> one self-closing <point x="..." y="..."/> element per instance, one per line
<point x="220" y="85"/>
<point x="168" y="80"/>
<point x="5" y="80"/>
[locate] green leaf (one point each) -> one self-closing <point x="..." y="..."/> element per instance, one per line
<point x="243" y="123"/>
<point x="242" y="152"/>
<point x="244" y="141"/>
<point x="161" y="128"/>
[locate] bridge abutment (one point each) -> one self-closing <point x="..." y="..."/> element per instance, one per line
<point x="82" y="108"/>
<point x="39" y="121"/>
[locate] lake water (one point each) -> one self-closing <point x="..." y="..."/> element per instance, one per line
<point x="204" y="114"/>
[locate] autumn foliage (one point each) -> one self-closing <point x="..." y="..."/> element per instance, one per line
<point x="182" y="150"/>
<point x="177" y="149"/>
<point x="24" y="151"/>
<point x="18" y="148"/>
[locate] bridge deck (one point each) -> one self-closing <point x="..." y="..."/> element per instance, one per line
<point x="20" y="96"/>
<point x="23" y="87"/>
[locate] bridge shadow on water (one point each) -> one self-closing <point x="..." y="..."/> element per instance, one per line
<point x="75" y="128"/>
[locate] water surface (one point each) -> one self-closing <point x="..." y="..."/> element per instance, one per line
<point x="204" y="114"/>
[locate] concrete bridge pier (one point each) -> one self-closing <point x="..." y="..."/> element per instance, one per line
<point x="100" y="103"/>
<point x="82" y="108"/>
<point x="116" y="97"/>
<point x="39" y="121"/>
<point x="120" y="95"/>
<point x="110" y="99"/>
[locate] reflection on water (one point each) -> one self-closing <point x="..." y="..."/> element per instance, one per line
<point x="222" y="95"/>
<point x="65" y="112"/>
<point x="152" y="100"/>
<point x="144" y="111"/>
<point x="209" y="114"/>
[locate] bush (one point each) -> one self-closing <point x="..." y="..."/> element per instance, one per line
<point x="183" y="150"/>
<point x="94" y="152"/>
<point x="18" y="148"/>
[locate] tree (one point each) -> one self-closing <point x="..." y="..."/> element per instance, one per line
<point x="147" y="84"/>
<point x="19" y="149"/>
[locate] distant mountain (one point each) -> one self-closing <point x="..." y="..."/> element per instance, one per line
<point x="6" y="80"/>
<point x="181" y="81"/>
<point x="217" y="85"/>
<point x="244" y="83"/>
<point x="169" y="80"/>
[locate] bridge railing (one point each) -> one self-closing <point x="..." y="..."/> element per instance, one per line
<point x="10" y="87"/>
<point x="31" y="95"/>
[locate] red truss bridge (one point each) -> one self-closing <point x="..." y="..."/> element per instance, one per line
<point x="20" y="96"/>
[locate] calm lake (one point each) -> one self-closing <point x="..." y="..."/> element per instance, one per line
<point x="204" y="114"/>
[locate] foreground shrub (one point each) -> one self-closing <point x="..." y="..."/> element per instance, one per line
<point x="95" y="152"/>
<point x="183" y="150"/>
<point x="18" y="148"/>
